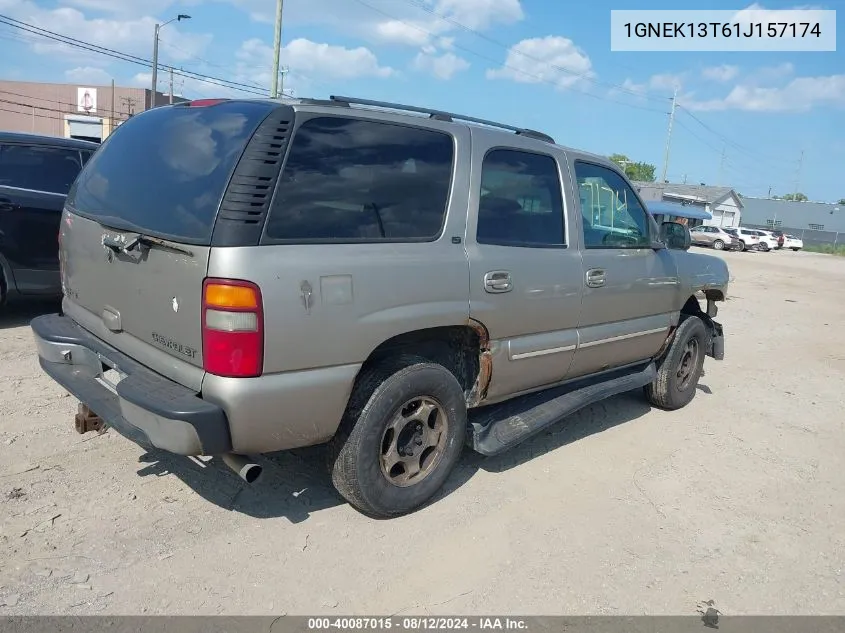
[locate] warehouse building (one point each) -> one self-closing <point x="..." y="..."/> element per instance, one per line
<point x="814" y="222"/>
<point x="71" y="110"/>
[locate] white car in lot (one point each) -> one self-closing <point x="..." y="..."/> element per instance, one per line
<point x="790" y="241"/>
<point x="768" y="240"/>
<point x="753" y="239"/>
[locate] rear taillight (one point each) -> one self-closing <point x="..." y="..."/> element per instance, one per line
<point x="232" y="328"/>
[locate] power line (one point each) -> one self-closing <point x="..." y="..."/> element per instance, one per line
<point x="496" y="62"/>
<point x="420" y="5"/>
<point x="46" y="99"/>
<point x="126" y="57"/>
<point x="729" y="141"/>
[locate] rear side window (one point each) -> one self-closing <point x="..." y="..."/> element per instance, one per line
<point x="350" y="180"/>
<point x="40" y="168"/>
<point x="521" y="203"/>
<point x="164" y="172"/>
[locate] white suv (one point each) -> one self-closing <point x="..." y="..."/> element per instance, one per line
<point x="753" y="239"/>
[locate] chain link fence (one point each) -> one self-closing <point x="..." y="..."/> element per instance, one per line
<point x="810" y="237"/>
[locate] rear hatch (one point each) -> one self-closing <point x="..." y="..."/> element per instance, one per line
<point x="137" y="229"/>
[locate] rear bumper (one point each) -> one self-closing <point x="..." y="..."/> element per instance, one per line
<point x="143" y="406"/>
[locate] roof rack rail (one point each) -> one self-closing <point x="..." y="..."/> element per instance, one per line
<point x="440" y="115"/>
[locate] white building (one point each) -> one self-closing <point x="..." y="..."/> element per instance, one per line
<point x="720" y="202"/>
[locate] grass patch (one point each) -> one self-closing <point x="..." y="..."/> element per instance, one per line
<point x="828" y="249"/>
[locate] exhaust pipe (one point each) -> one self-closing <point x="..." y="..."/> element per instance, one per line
<point x="246" y="470"/>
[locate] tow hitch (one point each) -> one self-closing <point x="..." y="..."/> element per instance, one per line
<point x="86" y="420"/>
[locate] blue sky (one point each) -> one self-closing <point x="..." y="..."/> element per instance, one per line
<point x="544" y="64"/>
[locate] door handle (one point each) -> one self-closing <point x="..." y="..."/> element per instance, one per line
<point x="595" y="277"/>
<point x="498" y="281"/>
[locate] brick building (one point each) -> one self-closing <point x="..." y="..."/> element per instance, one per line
<point x="71" y="110"/>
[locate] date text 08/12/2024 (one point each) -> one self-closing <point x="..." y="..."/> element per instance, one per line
<point x="722" y="29"/>
<point x="414" y="623"/>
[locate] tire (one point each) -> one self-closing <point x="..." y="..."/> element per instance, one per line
<point x="796" y="249"/>
<point x="669" y="391"/>
<point x="376" y="427"/>
<point x="742" y="246"/>
<point x="719" y="245"/>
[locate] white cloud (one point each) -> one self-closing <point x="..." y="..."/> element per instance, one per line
<point x="133" y="36"/>
<point x="319" y="60"/>
<point x="724" y="72"/>
<point x="481" y="14"/>
<point x="758" y="13"/>
<point x="552" y="59"/>
<point x="389" y="21"/>
<point x="88" y="75"/>
<point x="443" y="66"/>
<point x="401" y="32"/>
<point x="662" y="82"/>
<point x="799" y="95"/>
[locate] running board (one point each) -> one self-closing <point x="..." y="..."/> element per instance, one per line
<point x="496" y="428"/>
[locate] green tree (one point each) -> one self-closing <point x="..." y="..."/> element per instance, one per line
<point x="798" y="197"/>
<point x="634" y="170"/>
<point x="842" y="201"/>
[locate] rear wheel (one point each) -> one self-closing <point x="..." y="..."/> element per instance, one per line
<point x="796" y="249"/>
<point x="718" y="245"/>
<point x="742" y="246"/>
<point x="401" y="437"/>
<point x="680" y="369"/>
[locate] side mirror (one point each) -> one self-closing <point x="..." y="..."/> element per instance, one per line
<point x="675" y="236"/>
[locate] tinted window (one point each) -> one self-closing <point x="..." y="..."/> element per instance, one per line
<point x="39" y="168"/>
<point x="352" y="180"/>
<point x="521" y="202"/>
<point x="613" y="217"/>
<point x="164" y="172"/>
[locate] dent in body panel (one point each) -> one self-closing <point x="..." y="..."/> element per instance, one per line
<point x="282" y="411"/>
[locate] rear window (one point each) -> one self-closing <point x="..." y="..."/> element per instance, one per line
<point x="39" y="168"/>
<point x="164" y="172"/>
<point x="349" y="180"/>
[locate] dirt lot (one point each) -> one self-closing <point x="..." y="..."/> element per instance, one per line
<point x="739" y="498"/>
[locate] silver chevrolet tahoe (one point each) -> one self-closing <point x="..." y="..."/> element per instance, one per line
<point x="249" y="276"/>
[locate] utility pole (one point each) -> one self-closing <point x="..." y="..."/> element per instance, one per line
<point x="770" y="194"/>
<point x="155" y="67"/>
<point x="111" y="122"/>
<point x="721" y="167"/>
<point x="171" y="85"/>
<point x="669" y="135"/>
<point x="129" y="103"/>
<point x="685" y="179"/>
<point x="798" y="174"/>
<point x="158" y="28"/>
<point x="277" y="48"/>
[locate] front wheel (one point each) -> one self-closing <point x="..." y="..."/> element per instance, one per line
<point x="742" y="246"/>
<point x="796" y="249"/>
<point x="401" y="437"/>
<point x="680" y="369"/>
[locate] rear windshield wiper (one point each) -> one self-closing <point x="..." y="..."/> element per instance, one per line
<point x="120" y="246"/>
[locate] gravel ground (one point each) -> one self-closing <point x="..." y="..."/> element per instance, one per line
<point x="739" y="498"/>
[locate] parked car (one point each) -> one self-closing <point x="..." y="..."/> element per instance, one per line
<point x="714" y="236"/>
<point x="793" y="242"/>
<point x="347" y="272"/>
<point x="768" y="240"/>
<point x="750" y="239"/>
<point x="36" y="173"/>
